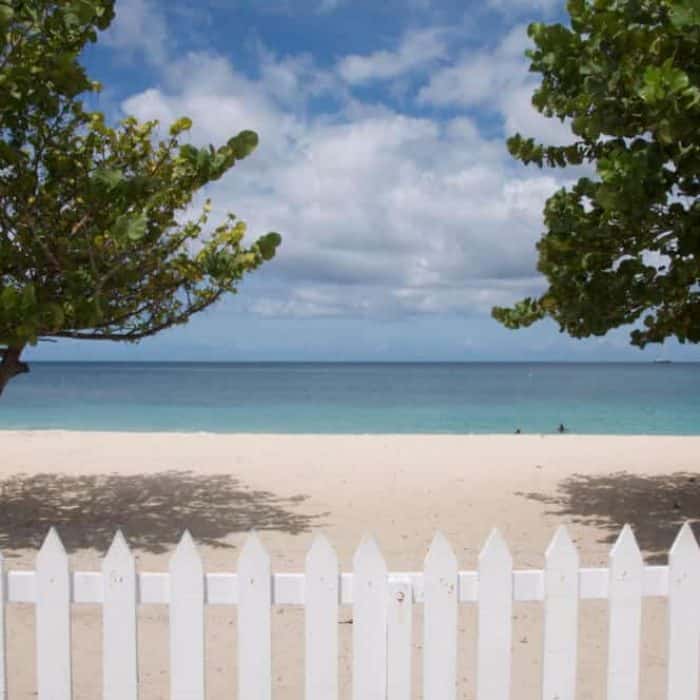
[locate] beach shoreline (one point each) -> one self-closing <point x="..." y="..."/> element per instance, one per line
<point x="400" y="488"/>
<point x="367" y="481"/>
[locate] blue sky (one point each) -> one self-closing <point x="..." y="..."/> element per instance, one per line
<point x="382" y="162"/>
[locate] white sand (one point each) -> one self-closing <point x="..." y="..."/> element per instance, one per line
<point x="401" y="488"/>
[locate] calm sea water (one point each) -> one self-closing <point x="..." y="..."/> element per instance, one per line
<point x="357" y="398"/>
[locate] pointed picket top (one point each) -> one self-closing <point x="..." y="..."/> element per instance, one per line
<point x="321" y="620"/>
<point x="321" y="554"/>
<point x="440" y="554"/>
<point x="118" y="552"/>
<point x="253" y="551"/>
<point x="53" y="620"/>
<point x="561" y="549"/>
<point x="440" y="620"/>
<point x="52" y="549"/>
<point x="185" y="555"/>
<point x="685" y="546"/>
<point x="626" y="551"/>
<point x="368" y="556"/>
<point x="496" y="550"/>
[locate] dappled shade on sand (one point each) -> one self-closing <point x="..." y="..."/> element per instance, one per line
<point x="654" y="505"/>
<point x="152" y="510"/>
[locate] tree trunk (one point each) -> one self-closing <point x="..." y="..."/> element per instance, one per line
<point x="11" y="365"/>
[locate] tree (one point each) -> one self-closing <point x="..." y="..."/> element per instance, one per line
<point x="622" y="246"/>
<point x="91" y="246"/>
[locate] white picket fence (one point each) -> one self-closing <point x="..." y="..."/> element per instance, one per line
<point x="382" y="613"/>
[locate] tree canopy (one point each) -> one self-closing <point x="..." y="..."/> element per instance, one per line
<point x="621" y="246"/>
<point x="92" y="242"/>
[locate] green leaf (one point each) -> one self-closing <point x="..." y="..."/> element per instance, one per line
<point x="180" y="125"/>
<point x="136" y="228"/>
<point x="685" y="13"/>
<point x="109" y="178"/>
<point x="268" y="245"/>
<point x="243" y="144"/>
<point x="6" y="13"/>
<point x="8" y="299"/>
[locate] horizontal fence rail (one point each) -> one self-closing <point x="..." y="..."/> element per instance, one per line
<point x="382" y="604"/>
<point x="288" y="589"/>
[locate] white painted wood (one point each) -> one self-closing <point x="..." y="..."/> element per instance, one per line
<point x="493" y="664"/>
<point x="440" y="622"/>
<point x="528" y="585"/>
<point x="53" y="638"/>
<point x="186" y="622"/>
<point x="399" y="634"/>
<point x="288" y="588"/>
<point x="382" y="631"/>
<point x="119" y="646"/>
<point x="88" y="587"/>
<point x="468" y="586"/>
<point x="3" y="644"/>
<point x="683" y="617"/>
<point x="221" y="589"/>
<point x="254" y="640"/>
<point x="369" y="590"/>
<point x="154" y="589"/>
<point x="655" y="581"/>
<point x="625" y="616"/>
<point x="322" y="595"/>
<point x="560" y="619"/>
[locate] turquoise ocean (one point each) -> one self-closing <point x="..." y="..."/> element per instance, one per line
<point x="601" y="398"/>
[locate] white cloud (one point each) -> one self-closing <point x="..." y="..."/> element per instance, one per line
<point x="499" y="79"/>
<point x="381" y="212"/>
<point x="511" y="7"/>
<point x="417" y="49"/>
<point x="139" y="29"/>
<point x="329" y="5"/>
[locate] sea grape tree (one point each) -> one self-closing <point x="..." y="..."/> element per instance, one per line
<point x="623" y="246"/>
<point x="92" y="241"/>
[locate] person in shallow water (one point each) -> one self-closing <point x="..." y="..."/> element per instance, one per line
<point x="561" y="428"/>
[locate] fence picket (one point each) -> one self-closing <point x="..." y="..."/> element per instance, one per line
<point x="321" y="596"/>
<point x="494" y="620"/>
<point x="186" y="622"/>
<point x="3" y="645"/>
<point x="560" y="618"/>
<point x="119" y="648"/>
<point x="53" y="638"/>
<point x="383" y="611"/>
<point x="625" y="616"/>
<point x="399" y="633"/>
<point x="369" y="632"/>
<point x="254" y="639"/>
<point x="683" y="616"/>
<point x="440" y="621"/>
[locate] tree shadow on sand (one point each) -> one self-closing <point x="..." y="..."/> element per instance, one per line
<point x="655" y="506"/>
<point x="152" y="510"/>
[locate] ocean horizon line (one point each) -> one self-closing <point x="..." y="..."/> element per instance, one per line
<point x="363" y="362"/>
<point x="358" y="397"/>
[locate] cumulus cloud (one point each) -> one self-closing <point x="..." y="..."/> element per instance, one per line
<point x="139" y="30"/>
<point x="511" y="7"/>
<point x="417" y="49"/>
<point x="498" y="79"/>
<point x="381" y="212"/>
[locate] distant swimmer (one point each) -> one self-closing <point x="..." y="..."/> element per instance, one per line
<point x="561" y="428"/>
<point x="518" y="431"/>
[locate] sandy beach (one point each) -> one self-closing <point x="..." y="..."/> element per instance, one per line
<point x="400" y="488"/>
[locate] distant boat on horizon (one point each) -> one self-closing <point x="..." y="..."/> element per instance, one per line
<point x="659" y="361"/>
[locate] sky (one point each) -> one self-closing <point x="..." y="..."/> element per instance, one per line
<point x="382" y="162"/>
